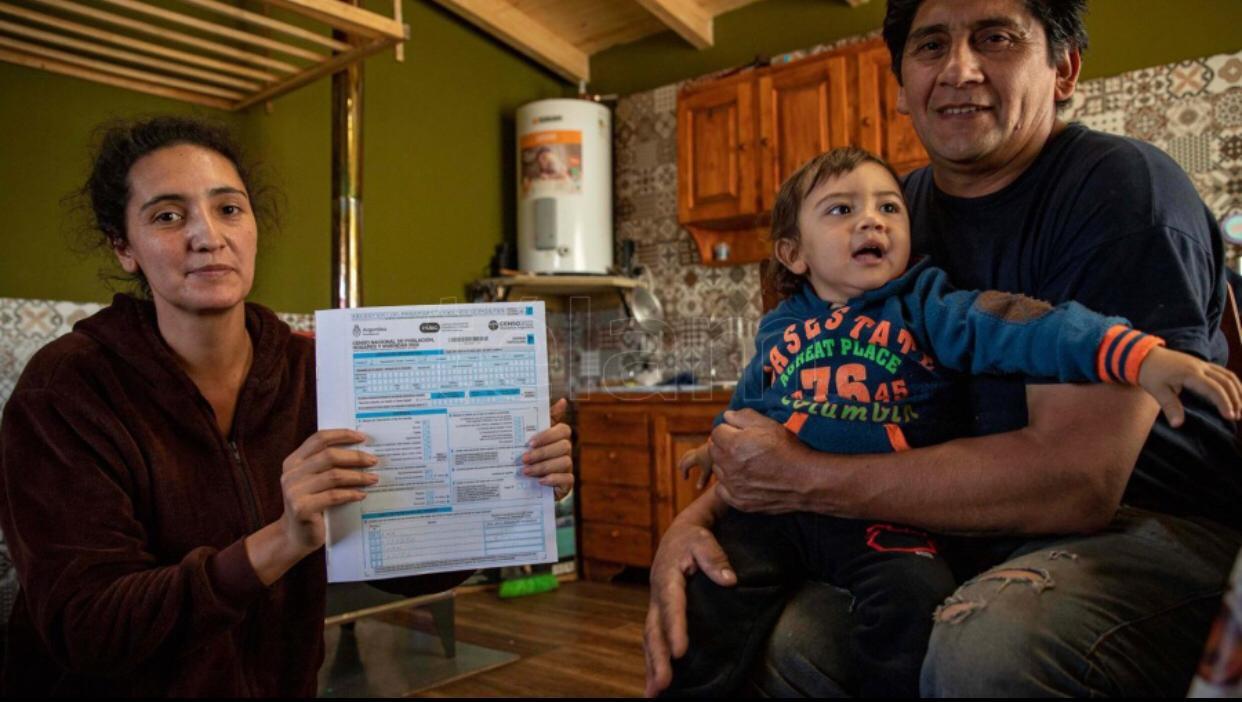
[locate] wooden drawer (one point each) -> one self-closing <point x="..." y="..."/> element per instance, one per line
<point x="618" y="465"/>
<point x="619" y="505"/>
<point x="608" y="426"/>
<point x="618" y="544"/>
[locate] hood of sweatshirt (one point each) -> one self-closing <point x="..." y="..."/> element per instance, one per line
<point x="127" y="330"/>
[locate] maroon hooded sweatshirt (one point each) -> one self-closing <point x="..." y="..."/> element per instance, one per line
<point x="126" y="511"/>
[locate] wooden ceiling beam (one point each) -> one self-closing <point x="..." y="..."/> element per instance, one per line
<point x="686" y="17"/>
<point x="517" y="29"/>
<point x="347" y="18"/>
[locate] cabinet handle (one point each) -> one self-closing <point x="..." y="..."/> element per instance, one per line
<point x="612" y="455"/>
<point x="866" y="121"/>
<point x="615" y="533"/>
<point x="608" y="416"/>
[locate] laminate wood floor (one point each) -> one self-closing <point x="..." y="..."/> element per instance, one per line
<point x="584" y="639"/>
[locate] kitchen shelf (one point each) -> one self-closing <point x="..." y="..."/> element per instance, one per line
<point x="220" y="55"/>
<point x="515" y="286"/>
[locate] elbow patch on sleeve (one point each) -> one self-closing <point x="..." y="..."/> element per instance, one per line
<point x="1010" y="307"/>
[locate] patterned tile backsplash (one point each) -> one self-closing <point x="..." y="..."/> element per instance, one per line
<point x="26" y="325"/>
<point x="1191" y="109"/>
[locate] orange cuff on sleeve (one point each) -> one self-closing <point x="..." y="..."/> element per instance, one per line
<point x="1102" y="355"/>
<point x="1137" y="354"/>
<point x="1123" y="343"/>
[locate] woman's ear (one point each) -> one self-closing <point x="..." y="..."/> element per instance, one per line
<point x="788" y="254"/>
<point x="125" y="256"/>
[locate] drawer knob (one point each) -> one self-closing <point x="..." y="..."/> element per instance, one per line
<point x="612" y="455"/>
<point x="615" y="533"/>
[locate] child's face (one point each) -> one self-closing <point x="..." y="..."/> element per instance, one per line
<point x="854" y="234"/>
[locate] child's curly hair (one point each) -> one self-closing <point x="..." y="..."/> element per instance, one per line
<point x="789" y="203"/>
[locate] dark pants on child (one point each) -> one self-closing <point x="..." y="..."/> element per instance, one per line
<point x="894" y="574"/>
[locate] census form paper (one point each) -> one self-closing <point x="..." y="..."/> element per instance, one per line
<point x="448" y="396"/>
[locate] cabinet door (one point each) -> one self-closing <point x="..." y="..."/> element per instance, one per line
<point x="803" y="112"/>
<point x="684" y="428"/>
<point x="715" y="152"/>
<point x="881" y="129"/>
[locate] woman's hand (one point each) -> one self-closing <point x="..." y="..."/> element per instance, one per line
<point x="685" y="548"/>
<point x="549" y="457"/>
<point x="319" y="474"/>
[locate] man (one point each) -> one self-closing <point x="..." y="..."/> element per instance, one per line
<point x="1017" y="200"/>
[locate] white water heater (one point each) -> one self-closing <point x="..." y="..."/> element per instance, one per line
<point x="564" y="183"/>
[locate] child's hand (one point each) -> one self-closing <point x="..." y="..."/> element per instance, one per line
<point x="700" y="457"/>
<point x="1165" y="373"/>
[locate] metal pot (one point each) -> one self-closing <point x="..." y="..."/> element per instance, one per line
<point x="644" y="308"/>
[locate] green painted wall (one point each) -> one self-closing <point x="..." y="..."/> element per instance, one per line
<point x="46" y="125"/>
<point x="438" y="163"/>
<point x="1130" y="34"/>
<point x="1125" y="35"/>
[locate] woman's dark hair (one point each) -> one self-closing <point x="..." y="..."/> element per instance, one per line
<point x="1062" y="21"/>
<point x="119" y="145"/>
<point x="789" y="201"/>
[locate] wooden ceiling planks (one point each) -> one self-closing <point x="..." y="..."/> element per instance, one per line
<point x="222" y="55"/>
<point x="563" y="34"/>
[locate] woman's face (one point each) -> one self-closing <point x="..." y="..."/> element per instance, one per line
<point x="190" y="230"/>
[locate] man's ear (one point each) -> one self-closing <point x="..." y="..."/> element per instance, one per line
<point x="789" y="256"/>
<point x="902" y="107"/>
<point x="1069" y="63"/>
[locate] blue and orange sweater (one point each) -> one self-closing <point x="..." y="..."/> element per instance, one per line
<point x="879" y="373"/>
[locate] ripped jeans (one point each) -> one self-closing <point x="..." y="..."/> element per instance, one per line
<point x="1121" y="612"/>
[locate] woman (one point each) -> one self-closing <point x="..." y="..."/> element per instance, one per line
<point x="163" y="483"/>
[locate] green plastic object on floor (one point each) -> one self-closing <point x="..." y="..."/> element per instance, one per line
<point x="528" y="585"/>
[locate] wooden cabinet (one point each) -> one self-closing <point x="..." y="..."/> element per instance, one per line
<point x="676" y="434"/>
<point x="629" y="486"/>
<point x="715" y="138"/>
<point x="741" y="136"/>
<point x="803" y="112"/>
<point x="881" y="129"/>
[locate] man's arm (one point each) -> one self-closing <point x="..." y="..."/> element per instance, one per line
<point x="1066" y="471"/>
<point x="687" y="547"/>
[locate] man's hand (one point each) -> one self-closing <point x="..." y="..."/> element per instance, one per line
<point x="754" y="461"/>
<point x="687" y="547"/>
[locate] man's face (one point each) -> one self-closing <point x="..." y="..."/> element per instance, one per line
<point x="977" y="82"/>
